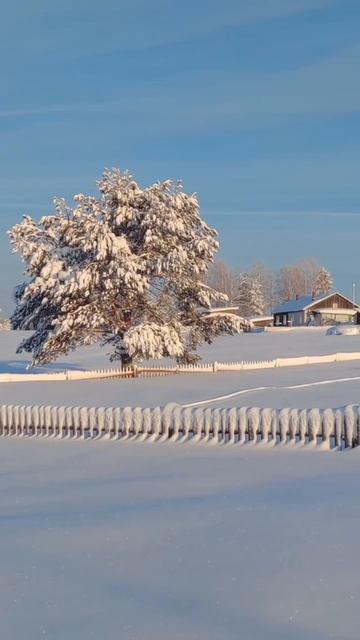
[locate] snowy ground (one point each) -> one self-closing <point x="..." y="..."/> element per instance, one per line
<point x="245" y="346"/>
<point x="331" y="385"/>
<point x="326" y="385"/>
<point x="111" y="541"/>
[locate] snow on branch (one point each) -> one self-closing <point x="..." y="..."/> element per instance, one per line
<point x="126" y="268"/>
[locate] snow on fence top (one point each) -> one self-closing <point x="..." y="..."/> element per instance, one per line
<point x="326" y="429"/>
<point x="160" y="370"/>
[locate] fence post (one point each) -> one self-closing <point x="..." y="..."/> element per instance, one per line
<point x="215" y="367"/>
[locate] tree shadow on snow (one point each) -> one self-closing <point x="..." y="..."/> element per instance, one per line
<point x="21" y="366"/>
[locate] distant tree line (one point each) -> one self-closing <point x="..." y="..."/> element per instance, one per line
<point x="258" y="290"/>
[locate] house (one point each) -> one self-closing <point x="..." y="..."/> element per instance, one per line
<point x="262" y="321"/>
<point x="333" y="308"/>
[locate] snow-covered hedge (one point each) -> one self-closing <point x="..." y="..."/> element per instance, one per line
<point x="328" y="428"/>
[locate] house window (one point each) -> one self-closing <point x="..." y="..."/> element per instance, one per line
<point x="335" y="305"/>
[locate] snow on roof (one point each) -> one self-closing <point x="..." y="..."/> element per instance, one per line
<point x="298" y="304"/>
<point x="305" y="302"/>
<point x="222" y="309"/>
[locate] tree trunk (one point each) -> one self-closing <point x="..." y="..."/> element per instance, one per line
<point x="126" y="360"/>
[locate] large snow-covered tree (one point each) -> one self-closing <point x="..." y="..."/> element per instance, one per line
<point x="323" y="283"/>
<point x="250" y="295"/>
<point x="124" y="269"/>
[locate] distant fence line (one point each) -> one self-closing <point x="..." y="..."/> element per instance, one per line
<point x="325" y="428"/>
<point x="163" y="370"/>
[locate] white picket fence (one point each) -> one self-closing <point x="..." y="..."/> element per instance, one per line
<point x="326" y="428"/>
<point x="162" y="370"/>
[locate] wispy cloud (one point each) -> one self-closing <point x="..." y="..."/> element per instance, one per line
<point x="42" y="111"/>
<point x="242" y="99"/>
<point x="283" y="214"/>
<point x="42" y="181"/>
<point x="130" y="25"/>
<point x="20" y="206"/>
<point x="206" y="18"/>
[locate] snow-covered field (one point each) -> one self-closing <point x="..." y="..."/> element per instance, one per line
<point x="112" y="540"/>
<point x="119" y="540"/>
<point x="245" y="346"/>
<point x="330" y="385"/>
<point x="316" y="385"/>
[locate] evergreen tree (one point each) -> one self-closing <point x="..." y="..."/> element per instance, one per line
<point x="125" y="269"/>
<point x="323" y="283"/>
<point x="250" y="296"/>
<point x="266" y="280"/>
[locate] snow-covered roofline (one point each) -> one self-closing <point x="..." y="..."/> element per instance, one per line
<point x="222" y="309"/>
<point x="255" y="318"/>
<point x="334" y="293"/>
<point x="306" y="302"/>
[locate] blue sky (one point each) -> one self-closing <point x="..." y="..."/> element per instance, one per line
<point x="254" y="104"/>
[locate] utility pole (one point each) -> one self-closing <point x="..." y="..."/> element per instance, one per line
<point x="354" y="292"/>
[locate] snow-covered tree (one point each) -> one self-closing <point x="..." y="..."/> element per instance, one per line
<point x="323" y="283"/>
<point x="266" y="280"/>
<point x="124" y="269"/>
<point x="250" y="296"/>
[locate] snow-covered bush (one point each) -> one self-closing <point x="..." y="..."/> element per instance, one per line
<point x="126" y="269"/>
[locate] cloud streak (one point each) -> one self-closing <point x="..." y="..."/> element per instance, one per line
<point x="136" y="25"/>
<point x="283" y="214"/>
<point x="242" y="99"/>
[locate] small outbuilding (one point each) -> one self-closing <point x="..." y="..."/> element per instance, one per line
<point x="260" y="322"/>
<point x="333" y="308"/>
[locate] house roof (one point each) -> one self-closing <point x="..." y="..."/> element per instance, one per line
<point x="306" y="302"/>
<point x="221" y="309"/>
<point x="298" y="304"/>
<point x="259" y="318"/>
